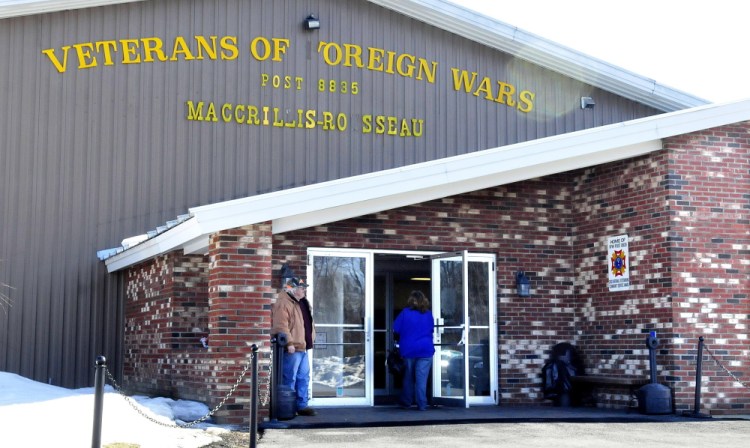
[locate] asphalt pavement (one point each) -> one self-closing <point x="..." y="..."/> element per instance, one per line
<point x="548" y="427"/>
<point x="678" y="434"/>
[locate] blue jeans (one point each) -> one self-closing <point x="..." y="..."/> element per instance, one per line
<point x="415" y="382"/>
<point x="296" y="375"/>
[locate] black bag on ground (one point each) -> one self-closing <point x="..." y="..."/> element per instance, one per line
<point x="563" y="364"/>
<point x="395" y="362"/>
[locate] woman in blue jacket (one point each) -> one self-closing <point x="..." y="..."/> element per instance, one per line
<point x="414" y="327"/>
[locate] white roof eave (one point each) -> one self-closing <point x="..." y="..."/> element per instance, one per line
<point x="460" y="174"/>
<point x="17" y="8"/>
<point x="350" y="197"/>
<point x="164" y="242"/>
<point x="543" y="52"/>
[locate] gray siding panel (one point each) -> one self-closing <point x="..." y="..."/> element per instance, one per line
<point x="91" y="156"/>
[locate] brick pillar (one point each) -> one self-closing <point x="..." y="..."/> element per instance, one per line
<point x="240" y="293"/>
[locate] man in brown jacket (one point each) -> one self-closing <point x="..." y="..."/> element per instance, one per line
<point x="292" y="315"/>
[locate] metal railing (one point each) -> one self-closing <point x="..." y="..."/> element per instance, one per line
<point x="252" y="366"/>
<point x="699" y="378"/>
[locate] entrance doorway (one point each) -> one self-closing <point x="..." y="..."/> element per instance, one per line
<point x="396" y="276"/>
<point x="356" y="295"/>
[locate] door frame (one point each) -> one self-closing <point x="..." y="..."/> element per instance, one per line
<point x="440" y="327"/>
<point x="369" y="255"/>
<point x="368" y="399"/>
<point x="468" y="326"/>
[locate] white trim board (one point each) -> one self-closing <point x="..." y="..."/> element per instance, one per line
<point x="350" y="197"/>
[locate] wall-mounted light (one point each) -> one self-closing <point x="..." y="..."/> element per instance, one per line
<point x="522" y="284"/>
<point x="312" y="22"/>
<point x="587" y="102"/>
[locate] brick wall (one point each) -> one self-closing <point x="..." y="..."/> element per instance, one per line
<point x="626" y="197"/>
<point x="166" y="313"/>
<point x="709" y="211"/>
<point x="528" y="225"/>
<point x="241" y="294"/>
<point x="555" y="229"/>
<point x="685" y="210"/>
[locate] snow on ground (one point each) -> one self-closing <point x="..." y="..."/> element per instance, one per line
<point x="39" y="415"/>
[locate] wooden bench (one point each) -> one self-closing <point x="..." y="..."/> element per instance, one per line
<point x="632" y="383"/>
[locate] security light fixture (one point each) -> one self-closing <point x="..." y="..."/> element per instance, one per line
<point x="587" y="102"/>
<point x="523" y="286"/>
<point x="312" y="22"/>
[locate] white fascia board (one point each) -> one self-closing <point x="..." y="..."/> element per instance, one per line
<point x="392" y="187"/>
<point x="161" y="243"/>
<point x="543" y="52"/>
<point x="197" y="245"/>
<point x="17" y="8"/>
<point x="580" y="149"/>
<point x="384" y="190"/>
<point x="514" y="172"/>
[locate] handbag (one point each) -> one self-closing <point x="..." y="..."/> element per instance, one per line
<point x="395" y="362"/>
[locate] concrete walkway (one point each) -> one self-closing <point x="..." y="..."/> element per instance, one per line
<point x="394" y="416"/>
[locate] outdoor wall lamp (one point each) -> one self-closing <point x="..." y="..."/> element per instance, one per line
<point x="312" y="22"/>
<point x="587" y="102"/>
<point x="522" y="284"/>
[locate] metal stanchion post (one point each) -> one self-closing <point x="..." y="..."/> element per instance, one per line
<point x="278" y="345"/>
<point x="698" y="376"/>
<point x="254" y="399"/>
<point x="274" y="375"/>
<point x="698" y="379"/>
<point x="96" y="438"/>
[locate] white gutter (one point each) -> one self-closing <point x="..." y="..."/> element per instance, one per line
<point x="17" y="8"/>
<point x="340" y="199"/>
<point x="160" y="244"/>
<point x="540" y="51"/>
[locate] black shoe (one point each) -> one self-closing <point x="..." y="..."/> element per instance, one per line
<point x="308" y="411"/>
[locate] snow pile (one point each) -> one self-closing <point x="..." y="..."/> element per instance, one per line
<point x="37" y="414"/>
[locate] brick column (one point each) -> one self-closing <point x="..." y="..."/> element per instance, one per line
<point x="709" y="207"/>
<point x="240" y="292"/>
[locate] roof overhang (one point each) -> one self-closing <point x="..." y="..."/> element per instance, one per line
<point x="479" y="28"/>
<point x="16" y="8"/>
<point x="350" y="197"/>
<point x="545" y="53"/>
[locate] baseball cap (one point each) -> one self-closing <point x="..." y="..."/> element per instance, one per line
<point x="296" y="282"/>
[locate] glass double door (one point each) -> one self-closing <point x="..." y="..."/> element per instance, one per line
<point x="463" y="306"/>
<point x="350" y="340"/>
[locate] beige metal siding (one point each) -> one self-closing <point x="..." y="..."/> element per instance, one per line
<point x="91" y="156"/>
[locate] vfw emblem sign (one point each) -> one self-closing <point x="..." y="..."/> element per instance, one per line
<point x="617" y="263"/>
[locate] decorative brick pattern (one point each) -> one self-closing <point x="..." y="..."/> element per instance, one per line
<point x="528" y="225"/>
<point x="626" y="197"/>
<point x="166" y="314"/>
<point x="686" y="210"/>
<point x="709" y="212"/>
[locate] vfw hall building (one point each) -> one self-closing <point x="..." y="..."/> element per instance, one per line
<point x="163" y="160"/>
